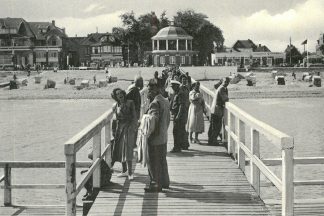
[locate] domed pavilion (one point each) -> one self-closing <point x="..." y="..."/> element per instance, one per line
<point x="173" y="46"/>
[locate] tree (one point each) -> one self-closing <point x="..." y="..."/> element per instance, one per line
<point x="293" y="52"/>
<point x="204" y="33"/>
<point x="322" y="48"/>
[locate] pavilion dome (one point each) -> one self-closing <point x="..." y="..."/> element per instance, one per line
<point x="172" y="32"/>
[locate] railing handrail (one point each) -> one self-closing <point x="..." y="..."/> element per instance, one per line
<point x="280" y="139"/>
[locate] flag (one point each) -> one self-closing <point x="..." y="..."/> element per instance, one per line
<point x="304" y="42"/>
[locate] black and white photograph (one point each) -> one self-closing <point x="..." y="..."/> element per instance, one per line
<point x="161" y="107"/>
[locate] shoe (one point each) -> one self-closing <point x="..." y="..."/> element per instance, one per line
<point x="153" y="190"/>
<point x="191" y="140"/>
<point x="166" y="187"/>
<point x="175" y="150"/>
<point x="122" y="174"/>
<point x="185" y="148"/>
<point x="130" y="177"/>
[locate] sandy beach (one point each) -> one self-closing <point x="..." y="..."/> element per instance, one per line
<point x="208" y="76"/>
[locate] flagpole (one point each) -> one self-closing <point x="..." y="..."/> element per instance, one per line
<point x="307" y="54"/>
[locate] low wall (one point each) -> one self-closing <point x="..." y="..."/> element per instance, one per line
<point x="289" y="69"/>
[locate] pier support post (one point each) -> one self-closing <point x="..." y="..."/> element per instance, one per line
<point x="288" y="182"/>
<point x="231" y="144"/>
<point x="241" y="139"/>
<point x="70" y="187"/>
<point x="7" y="185"/>
<point x="255" y="150"/>
<point x="108" y="140"/>
<point x="96" y="155"/>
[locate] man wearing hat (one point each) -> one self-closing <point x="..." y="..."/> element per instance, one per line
<point x="159" y="110"/>
<point x="179" y="113"/>
<point x="217" y="111"/>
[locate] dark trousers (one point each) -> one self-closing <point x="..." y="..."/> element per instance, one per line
<point x="179" y="132"/>
<point x="215" y="127"/>
<point x="158" y="166"/>
<point x="185" y="142"/>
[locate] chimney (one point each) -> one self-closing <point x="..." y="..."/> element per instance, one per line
<point x="259" y="45"/>
<point x="53" y="22"/>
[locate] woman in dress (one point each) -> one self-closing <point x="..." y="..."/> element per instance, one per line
<point x="195" y="122"/>
<point x="123" y="146"/>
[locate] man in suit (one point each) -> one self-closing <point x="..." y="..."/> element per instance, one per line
<point x="157" y="140"/>
<point x="217" y="112"/>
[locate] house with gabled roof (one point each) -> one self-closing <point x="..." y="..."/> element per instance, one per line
<point x="34" y="43"/>
<point x="247" y="53"/>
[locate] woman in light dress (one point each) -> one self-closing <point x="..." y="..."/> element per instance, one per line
<point x="195" y="122"/>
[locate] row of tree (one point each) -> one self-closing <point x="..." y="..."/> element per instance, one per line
<point x="136" y="33"/>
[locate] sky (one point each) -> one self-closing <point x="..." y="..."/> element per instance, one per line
<point x="267" y="22"/>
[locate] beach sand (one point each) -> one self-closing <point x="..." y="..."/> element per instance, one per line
<point x="208" y="76"/>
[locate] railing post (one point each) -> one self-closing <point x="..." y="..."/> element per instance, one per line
<point x="7" y="185"/>
<point x="107" y="139"/>
<point x="241" y="139"/>
<point x="288" y="181"/>
<point x="231" y="144"/>
<point x="255" y="150"/>
<point x="96" y="154"/>
<point x="70" y="187"/>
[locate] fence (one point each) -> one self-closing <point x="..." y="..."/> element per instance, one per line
<point x="235" y="123"/>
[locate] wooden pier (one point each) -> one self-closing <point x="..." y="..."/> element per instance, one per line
<point x="205" y="180"/>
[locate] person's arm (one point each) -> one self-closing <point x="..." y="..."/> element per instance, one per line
<point x="154" y="112"/>
<point x="181" y="110"/>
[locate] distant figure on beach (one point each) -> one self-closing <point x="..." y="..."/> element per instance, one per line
<point x="294" y="75"/>
<point x="217" y="111"/>
<point x="94" y="79"/>
<point x="14" y="76"/>
<point x="195" y="123"/>
<point x="124" y="135"/>
<point x="157" y="139"/>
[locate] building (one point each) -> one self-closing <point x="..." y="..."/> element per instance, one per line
<point x="173" y="46"/>
<point x="245" y="52"/>
<point x="100" y="50"/>
<point x="34" y="43"/>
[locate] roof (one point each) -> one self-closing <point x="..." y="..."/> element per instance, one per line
<point x="172" y="32"/>
<point x="262" y="49"/>
<point x="96" y="39"/>
<point x="16" y="23"/>
<point x="42" y="29"/>
<point x="244" y="44"/>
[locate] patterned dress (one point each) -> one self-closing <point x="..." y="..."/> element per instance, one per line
<point x="124" y="142"/>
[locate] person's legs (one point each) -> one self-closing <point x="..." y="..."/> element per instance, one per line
<point x="124" y="164"/>
<point x="191" y="136"/>
<point x="177" y="136"/>
<point x="165" y="179"/>
<point x="212" y="137"/>
<point x="129" y="167"/>
<point x="154" y="167"/>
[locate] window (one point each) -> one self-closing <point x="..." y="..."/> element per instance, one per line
<point x="95" y="50"/>
<point x="183" y="59"/>
<point x="105" y="48"/>
<point x="172" y="59"/>
<point x="155" y="43"/>
<point x="162" y="45"/>
<point x="172" y="45"/>
<point x="189" y="60"/>
<point x="54" y="42"/>
<point x="162" y="60"/>
<point x="182" y="44"/>
<point x="189" y="43"/>
<point x="52" y="54"/>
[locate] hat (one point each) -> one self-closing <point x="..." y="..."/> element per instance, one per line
<point x="175" y="82"/>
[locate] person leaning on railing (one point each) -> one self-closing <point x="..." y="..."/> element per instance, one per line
<point x="217" y="112"/>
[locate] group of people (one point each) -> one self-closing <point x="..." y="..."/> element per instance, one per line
<point x="170" y="95"/>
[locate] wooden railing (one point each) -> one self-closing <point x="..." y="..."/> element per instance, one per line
<point x="7" y="177"/>
<point x="72" y="146"/>
<point x="235" y="122"/>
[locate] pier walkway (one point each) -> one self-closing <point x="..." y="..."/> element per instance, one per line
<point x="204" y="181"/>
